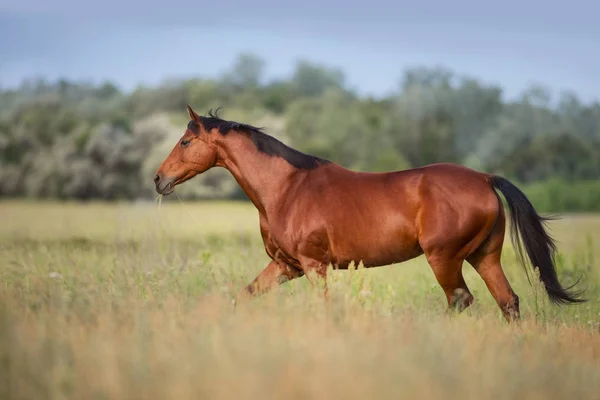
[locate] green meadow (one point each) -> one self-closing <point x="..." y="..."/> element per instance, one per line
<point x="134" y="301"/>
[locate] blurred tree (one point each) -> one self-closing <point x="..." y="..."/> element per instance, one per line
<point x="277" y="96"/>
<point x="336" y="127"/>
<point x="461" y="108"/>
<point x="312" y="79"/>
<point x="565" y="156"/>
<point x="246" y="72"/>
<point x="69" y="139"/>
<point x="203" y="94"/>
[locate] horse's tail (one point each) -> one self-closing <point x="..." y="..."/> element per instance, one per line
<point x="539" y="245"/>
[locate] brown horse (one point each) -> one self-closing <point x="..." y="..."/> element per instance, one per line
<point x="314" y="213"/>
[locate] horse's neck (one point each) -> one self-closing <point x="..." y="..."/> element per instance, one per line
<point x="262" y="177"/>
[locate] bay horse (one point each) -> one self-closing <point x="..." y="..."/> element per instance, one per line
<point x="314" y="213"/>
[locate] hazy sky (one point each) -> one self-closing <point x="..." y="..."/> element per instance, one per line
<point x="510" y="43"/>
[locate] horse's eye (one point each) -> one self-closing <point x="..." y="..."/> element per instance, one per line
<point x="185" y="143"/>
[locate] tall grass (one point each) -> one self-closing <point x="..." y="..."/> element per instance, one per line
<point x="121" y="301"/>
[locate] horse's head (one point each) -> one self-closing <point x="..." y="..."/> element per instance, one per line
<point x="194" y="153"/>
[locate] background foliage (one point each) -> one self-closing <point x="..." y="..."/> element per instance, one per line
<point x="75" y="140"/>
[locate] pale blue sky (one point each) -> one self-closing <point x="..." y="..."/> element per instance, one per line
<point x="510" y="43"/>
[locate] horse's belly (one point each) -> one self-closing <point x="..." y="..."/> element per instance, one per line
<point x="375" y="250"/>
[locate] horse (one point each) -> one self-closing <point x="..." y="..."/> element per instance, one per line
<point x="314" y="213"/>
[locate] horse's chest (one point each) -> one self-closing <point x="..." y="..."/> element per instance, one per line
<point x="273" y="242"/>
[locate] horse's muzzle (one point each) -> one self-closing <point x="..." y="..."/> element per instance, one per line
<point x="164" y="186"/>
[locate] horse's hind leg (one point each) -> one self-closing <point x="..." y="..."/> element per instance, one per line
<point x="486" y="261"/>
<point x="489" y="268"/>
<point x="449" y="275"/>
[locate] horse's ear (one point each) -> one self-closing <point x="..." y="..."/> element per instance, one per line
<point x="193" y="116"/>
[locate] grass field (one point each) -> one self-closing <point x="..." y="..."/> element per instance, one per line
<point x="127" y="301"/>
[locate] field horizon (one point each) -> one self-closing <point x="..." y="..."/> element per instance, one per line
<point x="134" y="300"/>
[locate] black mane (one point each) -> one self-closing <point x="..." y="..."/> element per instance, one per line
<point x="264" y="143"/>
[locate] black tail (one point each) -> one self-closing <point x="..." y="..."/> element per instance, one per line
<point x="540" y="247"/>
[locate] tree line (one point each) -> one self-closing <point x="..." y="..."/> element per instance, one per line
<point x="77" y="140"/>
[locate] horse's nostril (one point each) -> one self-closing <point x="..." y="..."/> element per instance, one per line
<point x="156" y="179"/>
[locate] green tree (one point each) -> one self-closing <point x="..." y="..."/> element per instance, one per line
<point x="313" y="80"/>
<point x="246" y="73"/>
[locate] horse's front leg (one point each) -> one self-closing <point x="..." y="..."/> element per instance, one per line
<point x="316" y="273"/>
<point x="276" y="273"/>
